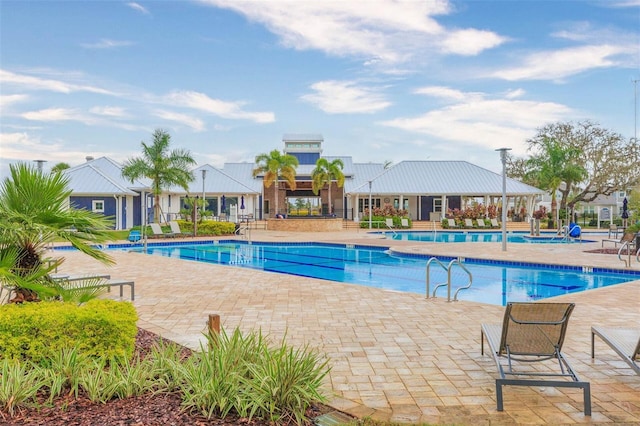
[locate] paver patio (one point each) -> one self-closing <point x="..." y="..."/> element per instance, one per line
<point x="394" y="356"/>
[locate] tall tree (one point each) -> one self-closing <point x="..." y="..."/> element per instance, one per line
<point x="34" y="212"/>
<point x="610" y="161"/>
<point x="552" y="165"/>
<point x="325" y="173"/>
<point x="164" y="167"/>
<point x="274" y="166"/>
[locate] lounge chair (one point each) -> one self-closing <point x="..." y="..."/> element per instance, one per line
<point x="624" y="341"/>
<point x="452" y="223"/>
<point x="480" y="223"/>
<point x="495" y="223"/>
<point x="175" y="228"/>
<point x="468" y="223"/>
<point x="627" y="238"/>
<point x="389" y="223"/>
<point x="532" y="332"/>
<point x="157" y="231"/>
<point x="404" y="222"/>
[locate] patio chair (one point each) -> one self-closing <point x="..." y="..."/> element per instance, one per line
<point x="613" y="229"/>
<point x="389" y="223"/>
<point x="495" y="223"/>
<point x="624" y="341"/>
<point x="468" y="223"/>
<point x="452" y="223"/>
<point x="480" y="223"/>
<point x="532" y="332"/>
<point x="404" y="222"/>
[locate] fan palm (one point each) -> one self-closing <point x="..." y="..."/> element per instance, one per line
<point x="163" y="167"/>
<point x="274" y="166"/>
<point x="325" y="173"/>
<point x="34" y="212"/>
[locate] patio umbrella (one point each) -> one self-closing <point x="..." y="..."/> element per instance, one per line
<point x="242" y="203"/>
<point x="625" y="209"/>
<point x="223" y="204"/>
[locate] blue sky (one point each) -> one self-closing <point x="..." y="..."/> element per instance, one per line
<point x="380" y="80"/>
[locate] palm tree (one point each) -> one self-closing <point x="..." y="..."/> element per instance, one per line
<point x="163" y="167"/>
<point x="552" y="166"/>
<point x="33" y="213"/>
<point x="325" y="173"/>
<point x="60" y="167"/>
<point x="275" y="166"/>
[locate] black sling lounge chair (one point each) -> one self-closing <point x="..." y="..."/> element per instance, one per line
<point x="532" y="332"/>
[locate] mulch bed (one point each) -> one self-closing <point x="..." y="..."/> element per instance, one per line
<point x="148" y="410"/>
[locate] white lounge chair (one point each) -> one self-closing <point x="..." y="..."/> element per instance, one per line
<point x="389" y="223"/>
<point x="468" y="223"/>
<point x="480" y="223"/>
<point x="404" y="222"/>
<point x="624" y="341"/>
<point x="495" y="223"/>
<point x="157" y="231"/>
<point x="452" y="223"/>
<point x="175" y="228"/>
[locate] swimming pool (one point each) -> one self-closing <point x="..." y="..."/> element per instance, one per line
<point x="477" y="237"/>
<point x="493" y="282"/>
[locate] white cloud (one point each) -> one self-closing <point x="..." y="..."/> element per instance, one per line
<point x="335" y="97"/>
<point x="194" y="123"/>
<point x="37" y="83"/>
<point x="230" y="110"/>
<point x="138" y="7"/>
<point x="447" y="93"/>
<point x="53" y="114"/>
<point x="470" y="42"/>
<point x="7" y="100"/>
<point x="391" y="31"/>
<point x="106" y="44"/>
<point x="109" y="111"/>
<point x="554" y="65"/>
<point x="490" y="123"/>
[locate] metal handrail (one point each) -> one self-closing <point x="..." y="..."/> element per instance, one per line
<point x="464" y="287"/>
<point x="447" y="268"/>
<point x="428" y="280"/>
<point x="627" y="262"/>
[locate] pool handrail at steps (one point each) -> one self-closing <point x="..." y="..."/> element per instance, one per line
<point x="447" y="268"/>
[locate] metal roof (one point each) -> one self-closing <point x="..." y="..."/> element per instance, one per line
<point x="236" y="178"/>
<point x="441" y="178"/>
<point x="102" y="176"/>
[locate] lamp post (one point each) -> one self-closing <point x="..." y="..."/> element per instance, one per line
<point x="370" y="208"/>
<point x="204" y="202"/>
<point x="503" y="158"/>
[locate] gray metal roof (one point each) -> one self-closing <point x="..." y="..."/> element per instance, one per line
<point x="302" y="137"/>
<point x="362" y="174"/>
<point x="238" y="181"/>
<point x="441" y="178"/>
<point x="102" y="176"/>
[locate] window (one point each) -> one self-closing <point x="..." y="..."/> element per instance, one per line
<point x="97" y="206"/>
<point x="437" y="205"/>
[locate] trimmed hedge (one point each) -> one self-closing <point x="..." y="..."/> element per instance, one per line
<point x="37" y="331"/>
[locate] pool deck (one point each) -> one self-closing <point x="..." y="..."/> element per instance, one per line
<point x="395" y="356"/>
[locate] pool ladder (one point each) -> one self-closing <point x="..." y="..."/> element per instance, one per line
<point x="447" y="268"/>
<point x="627" y="262"/>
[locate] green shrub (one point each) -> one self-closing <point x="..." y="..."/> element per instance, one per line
<point x="242" y="374"/>
<point x="37" y="331"/>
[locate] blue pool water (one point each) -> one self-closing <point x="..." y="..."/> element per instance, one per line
<point x="493" y="282"/>
<point x="473" y="237"/>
